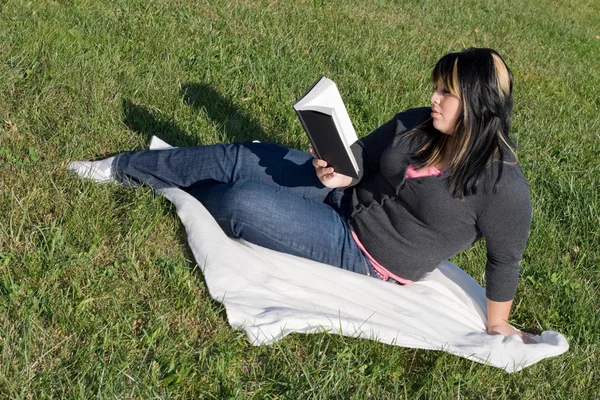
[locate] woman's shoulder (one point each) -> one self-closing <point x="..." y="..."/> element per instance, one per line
<point x="406" y="122"/>
<point x="408" y="119"/>
<point x="512" y="183"/>
<point x="509" y="199"/>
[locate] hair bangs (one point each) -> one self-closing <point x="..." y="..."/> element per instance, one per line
<point x="445" y="73"/>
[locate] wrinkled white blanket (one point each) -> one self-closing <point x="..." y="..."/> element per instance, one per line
<point x="269" y="295"/>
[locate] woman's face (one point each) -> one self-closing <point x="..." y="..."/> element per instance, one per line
<point x="445" y="109"/>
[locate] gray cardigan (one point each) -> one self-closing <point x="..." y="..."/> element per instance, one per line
<point x="410" y="226"/>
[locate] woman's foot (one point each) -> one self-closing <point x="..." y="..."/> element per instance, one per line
<point x="100" y="171"/>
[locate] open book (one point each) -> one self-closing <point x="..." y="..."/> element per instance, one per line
<point x="327" y="124"/>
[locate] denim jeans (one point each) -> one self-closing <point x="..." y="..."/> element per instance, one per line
<point x="266" y="194"/>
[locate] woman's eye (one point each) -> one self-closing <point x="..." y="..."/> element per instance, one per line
<point x="441" y="89"/>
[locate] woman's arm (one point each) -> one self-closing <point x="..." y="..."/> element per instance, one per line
<point x="504" y="223"/>
<point x="368" y="149"/>
<point x="497" y="321"/>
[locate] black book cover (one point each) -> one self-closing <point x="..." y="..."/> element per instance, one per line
<point x="326" y="141"/>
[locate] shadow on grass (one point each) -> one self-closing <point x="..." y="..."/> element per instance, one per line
<point x="234" y="124"/>
<point x="142" y="120"/>
<point x="231" y="120"/>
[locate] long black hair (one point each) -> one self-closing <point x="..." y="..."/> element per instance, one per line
<point x="479" y="138"/>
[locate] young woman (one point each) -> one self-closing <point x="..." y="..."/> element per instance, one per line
<point x="432" y="182"/>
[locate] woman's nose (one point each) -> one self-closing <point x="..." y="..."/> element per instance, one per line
<point x="435" y="98"/>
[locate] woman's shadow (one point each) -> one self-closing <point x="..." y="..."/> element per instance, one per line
<point x="234" y="124"/>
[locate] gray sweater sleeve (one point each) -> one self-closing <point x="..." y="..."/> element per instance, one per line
<point x="504" y="223"/>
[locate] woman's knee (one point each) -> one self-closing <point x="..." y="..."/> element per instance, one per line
<point x="236" y="206"/>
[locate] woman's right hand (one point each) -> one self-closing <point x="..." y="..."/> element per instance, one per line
<point x="327" y="175"/>
<point x="506" y="330"/>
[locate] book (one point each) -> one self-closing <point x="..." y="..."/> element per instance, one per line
<point x="323" y="116"/>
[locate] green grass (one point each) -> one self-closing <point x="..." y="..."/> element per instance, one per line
<point x="99" y="293"/>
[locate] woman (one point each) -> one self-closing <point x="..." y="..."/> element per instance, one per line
<point x="432" y="182"/>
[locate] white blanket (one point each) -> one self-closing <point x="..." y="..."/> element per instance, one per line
<point x="269" y="295"/>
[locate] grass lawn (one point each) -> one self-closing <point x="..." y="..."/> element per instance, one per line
<point x="99" y="293"/>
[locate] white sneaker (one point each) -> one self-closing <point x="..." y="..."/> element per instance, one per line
<point x="100" y="171"/>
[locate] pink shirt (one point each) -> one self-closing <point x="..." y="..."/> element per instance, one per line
<point x="383" y="273"/>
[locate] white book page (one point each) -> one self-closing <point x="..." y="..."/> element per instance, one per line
<point x="325" y="94"/>
<point x="315" y="92"/>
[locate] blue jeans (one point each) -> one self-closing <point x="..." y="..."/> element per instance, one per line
<point x="266" y="194"/>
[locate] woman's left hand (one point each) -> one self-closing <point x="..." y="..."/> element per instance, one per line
<point x="506" y="330"/>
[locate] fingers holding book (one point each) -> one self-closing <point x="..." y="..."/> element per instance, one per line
<point x="327" y="175"/>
